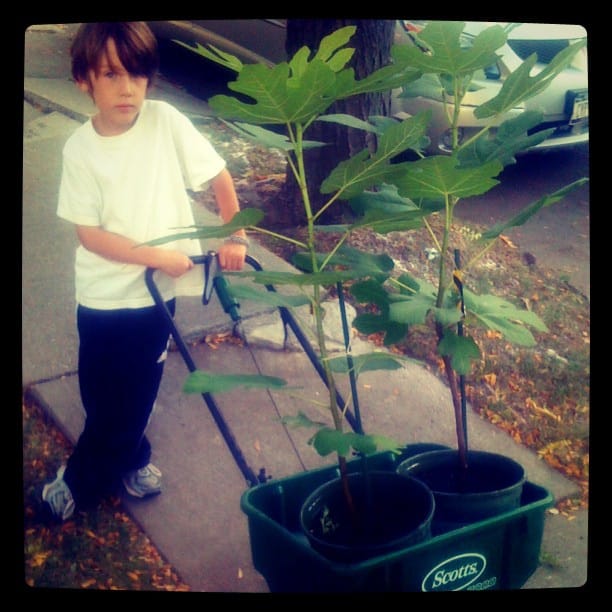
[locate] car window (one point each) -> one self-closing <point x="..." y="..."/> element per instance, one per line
<point x="545" y="49"/>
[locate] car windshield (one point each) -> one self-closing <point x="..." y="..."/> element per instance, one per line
<point x="545" y="49"/>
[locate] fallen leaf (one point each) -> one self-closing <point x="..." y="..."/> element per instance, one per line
<point x="490" y="378"/>
<point x="210" y="341"/>
<point x="39" y="558"/>
<point x="530" y="403"/>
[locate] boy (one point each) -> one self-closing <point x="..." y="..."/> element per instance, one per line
<point x="124" y="180"/>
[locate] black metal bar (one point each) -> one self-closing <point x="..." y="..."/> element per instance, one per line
<point x="459" y="284"/>
<point x="349" y="357"/>
<point x="220" y="421"/>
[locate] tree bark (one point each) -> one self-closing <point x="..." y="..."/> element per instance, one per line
<point x="372" y="43"/>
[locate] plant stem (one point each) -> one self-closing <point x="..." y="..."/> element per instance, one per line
<point x="317" y="310"/>
<point x="455" y="396"/>
<point x="450" y="372"/>
<point x="480" y="253"/>
<point x="336" y="414"/>
<point x="448" y="220"/>
<point x="340" y="242"/>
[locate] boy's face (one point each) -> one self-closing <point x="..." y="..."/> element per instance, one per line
<point x="117" y="94"/>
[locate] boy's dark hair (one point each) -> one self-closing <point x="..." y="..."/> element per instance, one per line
<point x="136" y="47"/>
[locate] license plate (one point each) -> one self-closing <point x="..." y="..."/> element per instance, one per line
<point x="578" y="106"/>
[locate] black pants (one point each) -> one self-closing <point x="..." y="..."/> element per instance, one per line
<point x="121" y="361"/>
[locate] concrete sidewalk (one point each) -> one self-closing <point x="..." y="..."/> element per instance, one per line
<point x="197" y="523"/>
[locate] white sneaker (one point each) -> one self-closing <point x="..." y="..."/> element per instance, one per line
<point x="58" y="496"/>
<point x="143" y="482"/>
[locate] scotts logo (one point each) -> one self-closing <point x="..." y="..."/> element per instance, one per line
<point x="455" y="574"/>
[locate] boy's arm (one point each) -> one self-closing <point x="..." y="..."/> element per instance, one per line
<point x="231" y="254"/>
<point x="119" y="248"/>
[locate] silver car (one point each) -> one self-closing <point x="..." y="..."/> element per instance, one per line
<point x="564" y="103"/>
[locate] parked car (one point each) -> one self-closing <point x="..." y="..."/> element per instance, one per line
<point x="564" y="103"/>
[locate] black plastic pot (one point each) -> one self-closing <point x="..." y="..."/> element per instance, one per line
<point x="492" y="484"/>
<point x="392" y="512"/>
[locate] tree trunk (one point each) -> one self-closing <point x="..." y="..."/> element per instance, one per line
<point x="372" y="43"/>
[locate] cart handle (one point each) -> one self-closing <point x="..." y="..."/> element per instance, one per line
<point x="250" y="476"/>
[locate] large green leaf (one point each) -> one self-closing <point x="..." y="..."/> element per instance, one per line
<point x="365" y="170"/>
<point x="370" y="323"/>
<point x="511" y="137"/>
<point x="412" y="310"/>
<point x="367" y="362"/>
<point x="214" y="382"/>
<point x="449" y="315"/>
<point x="300" y="420"/>
<point x="271" y="298"/>
<point x="462" y="350"/>
<point x="332" y="43"/>
<point x="214" y="54"/>
<point x="410" y="285"/>
<point x="371" y="292"/>
<point x="386" y="211"/>
<point x="526" y="213"/>
<point x="331" y="52"/>
<point x="445" y="55"/>
<point x="428" y="86"/>
<point x="349" y="121"/>
<point x="384" y="79"/>
<point x="385" y="199"/>
<point x="496" y="313"/>
<point x="328" y="440"/>
<point x="417" y="300"/>
<point x="287" y="92"/>
<point x="521" y="84"/>
<point x="299" y="90"/>
<point x="273" y="100"/>
<point x="383" y="222"/>
<point x="358" y="262"/>
<point x="439" y="176"/>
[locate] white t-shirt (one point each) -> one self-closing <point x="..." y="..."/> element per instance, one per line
<point x="135" y="185"/>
